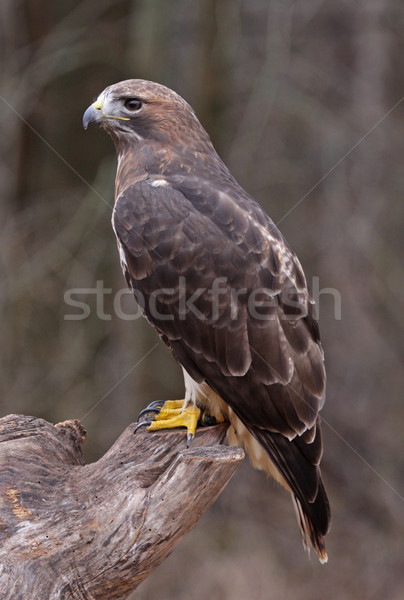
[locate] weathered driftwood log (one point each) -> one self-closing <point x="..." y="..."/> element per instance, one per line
<point x="70" y="530"/>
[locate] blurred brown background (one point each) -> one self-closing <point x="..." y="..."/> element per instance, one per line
<point x="300" y="99"/>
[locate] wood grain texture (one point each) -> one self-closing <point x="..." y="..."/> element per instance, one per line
<point x="74" y="531"/>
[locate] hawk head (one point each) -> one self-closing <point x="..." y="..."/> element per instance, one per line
<point x="136" y="110"/>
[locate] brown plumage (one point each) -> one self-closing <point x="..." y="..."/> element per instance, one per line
<point x="222" y="287"/>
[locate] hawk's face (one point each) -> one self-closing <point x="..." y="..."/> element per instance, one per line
<point x="114" y="112"/>
<point x="142" y="111"/>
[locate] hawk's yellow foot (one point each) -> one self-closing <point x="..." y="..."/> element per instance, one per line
<point x="173" y="414"/>
<point x="170" y="415"/>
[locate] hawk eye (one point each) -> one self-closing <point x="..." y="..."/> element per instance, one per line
<point x="132" y="104"/>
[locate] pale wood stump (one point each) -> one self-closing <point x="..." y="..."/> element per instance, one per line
<point x="74" y="531"/>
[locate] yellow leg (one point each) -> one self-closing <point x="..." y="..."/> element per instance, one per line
<point x="173" y="414"/>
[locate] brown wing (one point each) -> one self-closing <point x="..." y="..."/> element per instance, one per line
<point x="253" y="337"/>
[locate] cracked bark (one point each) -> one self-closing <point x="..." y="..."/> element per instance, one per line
<point x="74" y="531"/>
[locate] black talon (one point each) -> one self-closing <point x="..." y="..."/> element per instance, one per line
<point x="189" y="439"/>
<point x="147" y="410"/>
<point x="153" y="407"/>
<point x="156" y="404"/>
<point x="142" y="424"/>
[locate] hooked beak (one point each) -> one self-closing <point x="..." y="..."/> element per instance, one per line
<point x="93" y="114"/>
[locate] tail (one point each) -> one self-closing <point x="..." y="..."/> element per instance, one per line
<point x="313" y="522"/>
<point x="298" y="465"/>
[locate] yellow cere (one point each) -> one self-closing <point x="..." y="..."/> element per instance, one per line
<point x="98" y="106"/>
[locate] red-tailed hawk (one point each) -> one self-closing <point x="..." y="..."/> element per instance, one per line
<point x="224" y="290"/>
